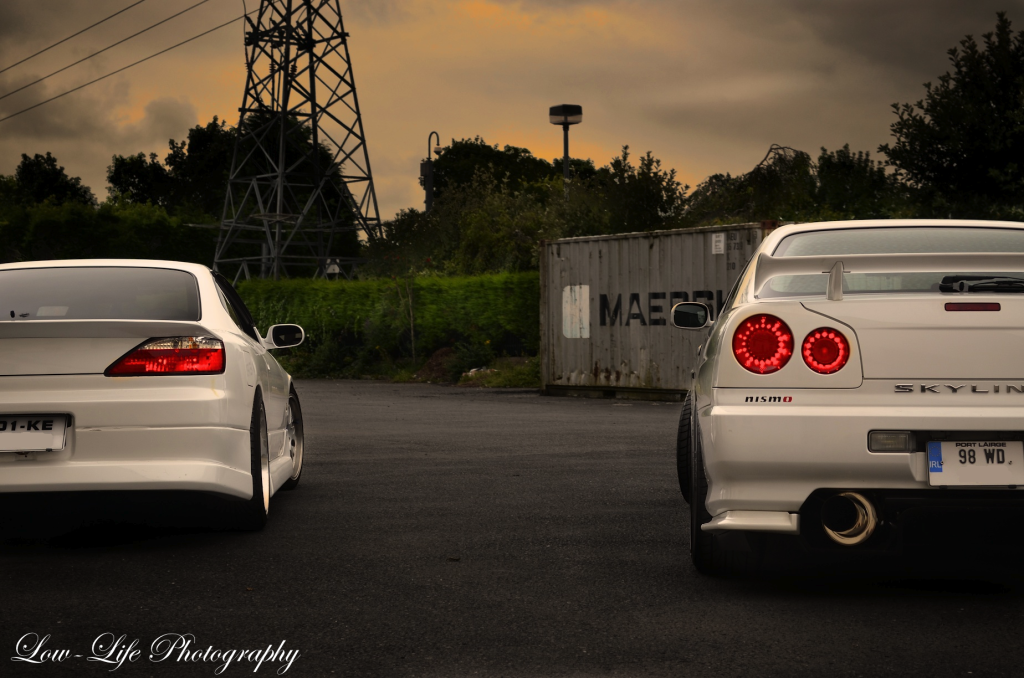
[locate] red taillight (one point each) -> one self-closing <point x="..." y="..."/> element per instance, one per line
<point x="826" y="350"/>
<point x="763" y="344"/>
<point x="176" y="355"/>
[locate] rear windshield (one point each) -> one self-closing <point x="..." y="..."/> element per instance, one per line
<point x="890" y="240"/>
<point x="905" y="240"/>
<point x="98" y="293"/>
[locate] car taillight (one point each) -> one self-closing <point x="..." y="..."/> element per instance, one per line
<point x="763" y="344"/>
<point x="174" y="355"/>
<point x="825" y="350"/>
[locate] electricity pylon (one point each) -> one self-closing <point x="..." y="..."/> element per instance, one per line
<point x="300" y="179"/>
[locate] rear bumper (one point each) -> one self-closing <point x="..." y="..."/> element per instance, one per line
<point x="203" y="459"/>
<point x="774" y="458"/>
<point x="131" y="434"/>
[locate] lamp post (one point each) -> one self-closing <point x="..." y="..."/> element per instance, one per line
<point x="565" y="115"/>
<point x="427" y="170"/>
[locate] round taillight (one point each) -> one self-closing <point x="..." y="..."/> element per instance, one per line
<point x="763" y="344"/>
<point x="826" y="350"/>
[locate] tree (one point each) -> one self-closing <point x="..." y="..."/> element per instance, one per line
<point x="190" y="182"/>
<point x="9" y="193"/>
<point x="579" y="169"/>
<point x="200" y="167"/>
<point x="962" y="146"/>
<point x="788" y="186"/>
<point x="74" y="230"/>
<point x="498" y="227"/>
<point x="495" y="221"/>
<point x="483" y="226"/>
<point x="40" y="178"/>
<point x="853" y="186"/>
<point x="643" y="197"/>
<point x="137" y="180"/>
<point x="459" y="163"/>
<point x="780" y="187"/>
<point x="335" y="204"/>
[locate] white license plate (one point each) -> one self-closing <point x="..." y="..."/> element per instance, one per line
<point x="976" y="463"/>
<point x="32" y="432"/>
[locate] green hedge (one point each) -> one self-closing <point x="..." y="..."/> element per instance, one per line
<point x="373" y="315"/>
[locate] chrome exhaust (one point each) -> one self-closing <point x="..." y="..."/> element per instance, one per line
<point x="848" y="518"/>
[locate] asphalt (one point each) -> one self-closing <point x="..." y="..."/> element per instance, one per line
<point x="447" y="532"/>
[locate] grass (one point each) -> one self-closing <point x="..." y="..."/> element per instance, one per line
<point x="404" y="375"/>
<point x="507" y="373"/>
<point x="441" y="368"/>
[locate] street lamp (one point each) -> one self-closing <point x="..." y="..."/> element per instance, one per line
<point x="427" y="169"/>
<point x="565" y="115"/>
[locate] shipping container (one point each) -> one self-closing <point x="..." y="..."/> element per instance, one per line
<point x="605" y="303"/>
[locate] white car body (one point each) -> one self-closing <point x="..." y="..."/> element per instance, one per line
<point x="771" y="441"/>
<point x="162" y="432"/>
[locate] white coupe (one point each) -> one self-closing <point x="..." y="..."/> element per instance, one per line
<point x="858" y="370"/>
<point x="142" y="375"/>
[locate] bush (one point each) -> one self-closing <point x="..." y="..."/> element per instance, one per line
<point x="507" y="373"/>
<point x="355" y="328"/>
<point x="468" y="356"/>
<point x="112" y="230"/>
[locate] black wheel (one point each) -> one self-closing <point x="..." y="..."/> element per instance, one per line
<point x="253" y="514"/>
<point x="683" y="448"/>
<point x="702" y="544"/>
<point x="715" y="553"/>
<point x="295" y="440"/>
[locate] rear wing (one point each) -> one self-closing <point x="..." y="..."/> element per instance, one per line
<point x="99" y="329"/>
<point x="836" y="265"/>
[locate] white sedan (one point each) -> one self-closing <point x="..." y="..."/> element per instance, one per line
<point x="142" y="375"/>
<point x="857" y="370"/>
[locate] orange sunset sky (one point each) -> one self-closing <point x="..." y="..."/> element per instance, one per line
<point x="706" y="85"/>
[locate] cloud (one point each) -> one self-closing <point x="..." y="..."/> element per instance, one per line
<point x="139" y="110"/>
<point x="707" y="85"/>
<point x="84" y="135"/>
<point x="22" y="22"/>
<point x="376" y="11"/>
<point x="910" y="36"/>
<point x="163" y="119"/>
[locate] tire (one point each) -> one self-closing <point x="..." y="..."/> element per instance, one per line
<point x="253" y="514"/>
<point x="296" y="440"/>
<point x="683" y="448"/>
<point x="715" y="553"/>
<point x="702" y="544"/>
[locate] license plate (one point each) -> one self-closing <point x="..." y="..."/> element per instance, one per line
<point x="32" y="432"/>
<point x="976" y="463"/>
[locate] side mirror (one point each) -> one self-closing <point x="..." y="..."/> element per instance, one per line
<point x="284" y="336"/>
<point x="691" y="315"/>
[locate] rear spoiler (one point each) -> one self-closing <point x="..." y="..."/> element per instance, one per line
<point x="99" y="329"/>
<point x="836" y="265"/>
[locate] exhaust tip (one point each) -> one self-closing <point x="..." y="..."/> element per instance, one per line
<point x="849" y="518"/>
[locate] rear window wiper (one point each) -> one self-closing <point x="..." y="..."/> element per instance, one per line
<point x="980" y="283"/>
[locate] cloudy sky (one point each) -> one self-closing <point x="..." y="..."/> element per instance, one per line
<point x="707" y="85"/>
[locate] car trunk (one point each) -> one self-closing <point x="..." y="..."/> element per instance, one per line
<point x="78" y="346"/>
<point x="917" y="338"/>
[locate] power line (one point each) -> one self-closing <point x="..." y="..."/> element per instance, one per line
<point x="75" y="35"/>
<point x="61" y="70"/>
<point x="104" y="77"/>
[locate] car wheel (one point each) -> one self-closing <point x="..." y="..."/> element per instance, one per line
<point x="254" y="512"/>
<point x="683" y="448"/>
<point x="295" y="439"/>
<point x="702" y="544"/>
<point x="715" y="553"/>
